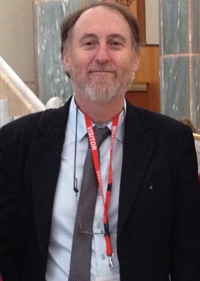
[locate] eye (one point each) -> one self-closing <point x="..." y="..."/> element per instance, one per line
<point x="89" y="44"/>
<point x="116" y="44"/>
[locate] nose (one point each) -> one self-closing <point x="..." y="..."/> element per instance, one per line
<point x="102" y="55"/>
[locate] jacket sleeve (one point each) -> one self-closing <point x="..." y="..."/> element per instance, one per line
<point x="185" y="234"/>
<point x="8" y="266"/>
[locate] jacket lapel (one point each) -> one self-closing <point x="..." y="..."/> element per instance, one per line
<point x="45" y="158"/>
<point x="137" y="152"/>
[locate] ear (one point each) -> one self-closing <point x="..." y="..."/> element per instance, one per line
<point x="136" y="62"/>
<point x="65" y="56"/>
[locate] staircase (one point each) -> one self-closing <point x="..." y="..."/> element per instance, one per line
<point x="16" y="99"/>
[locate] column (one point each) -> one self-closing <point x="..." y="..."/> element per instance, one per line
<point x="51" y="80"/>
<point x="180" y="59"/>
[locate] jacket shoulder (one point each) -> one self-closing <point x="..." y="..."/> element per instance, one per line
<point x="158" y="122"/>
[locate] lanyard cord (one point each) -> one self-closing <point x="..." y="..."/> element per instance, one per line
<point x="106" y="201"/>
<point x="75" y="153"/>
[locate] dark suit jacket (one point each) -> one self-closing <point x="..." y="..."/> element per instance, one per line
<point x="159" y="206"/>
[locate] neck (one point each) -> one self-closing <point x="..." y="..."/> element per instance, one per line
<point x="100" y="112"/>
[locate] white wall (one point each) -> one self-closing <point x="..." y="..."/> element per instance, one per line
<point x="152" y="21"/>
<point x="16" y="38"/>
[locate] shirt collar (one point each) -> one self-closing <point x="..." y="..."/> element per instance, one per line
<point x="76" y="118"/>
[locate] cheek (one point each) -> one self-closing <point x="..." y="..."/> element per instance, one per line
<point x="80" y="64"/>
<point x="80" y="58"/>
<point x="123" y="66"/>
<point x="121" y="61"/>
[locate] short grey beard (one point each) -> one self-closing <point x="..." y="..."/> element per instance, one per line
<point x="102" y="93"/>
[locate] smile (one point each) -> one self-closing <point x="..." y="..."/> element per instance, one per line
<point x="102" y="71"/>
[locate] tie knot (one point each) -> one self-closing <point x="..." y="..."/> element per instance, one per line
<point x="101" y="133"/>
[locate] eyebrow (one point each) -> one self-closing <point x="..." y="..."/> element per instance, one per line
<point x="117" y="35"/>
<point x="110" y="36"/>
<point x="87" y="35"/>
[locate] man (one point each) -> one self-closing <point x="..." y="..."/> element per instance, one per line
<point x="149" y="159"/>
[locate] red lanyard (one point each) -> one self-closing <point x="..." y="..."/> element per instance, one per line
<point x="106" y="201"/>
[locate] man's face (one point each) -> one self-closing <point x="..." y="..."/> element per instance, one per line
<point x="101" y="59"/>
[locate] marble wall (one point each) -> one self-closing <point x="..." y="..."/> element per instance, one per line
<point x="50" y="77"/>
<point x="180" y="59"/>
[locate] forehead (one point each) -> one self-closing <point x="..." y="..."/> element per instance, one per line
<point x="102" y="21"/>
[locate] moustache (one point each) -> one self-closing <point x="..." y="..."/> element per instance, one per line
<point x="101" y="69"/>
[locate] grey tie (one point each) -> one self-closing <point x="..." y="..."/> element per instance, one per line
<point x="82" y="239"/>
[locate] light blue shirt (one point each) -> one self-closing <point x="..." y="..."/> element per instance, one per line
<point x="65" y="202"/>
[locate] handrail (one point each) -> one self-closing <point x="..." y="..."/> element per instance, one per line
<point x="196" y="136"/>
<point x="21" y="87"/>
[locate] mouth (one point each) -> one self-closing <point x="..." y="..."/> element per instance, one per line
<point x="102" y="71"/>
